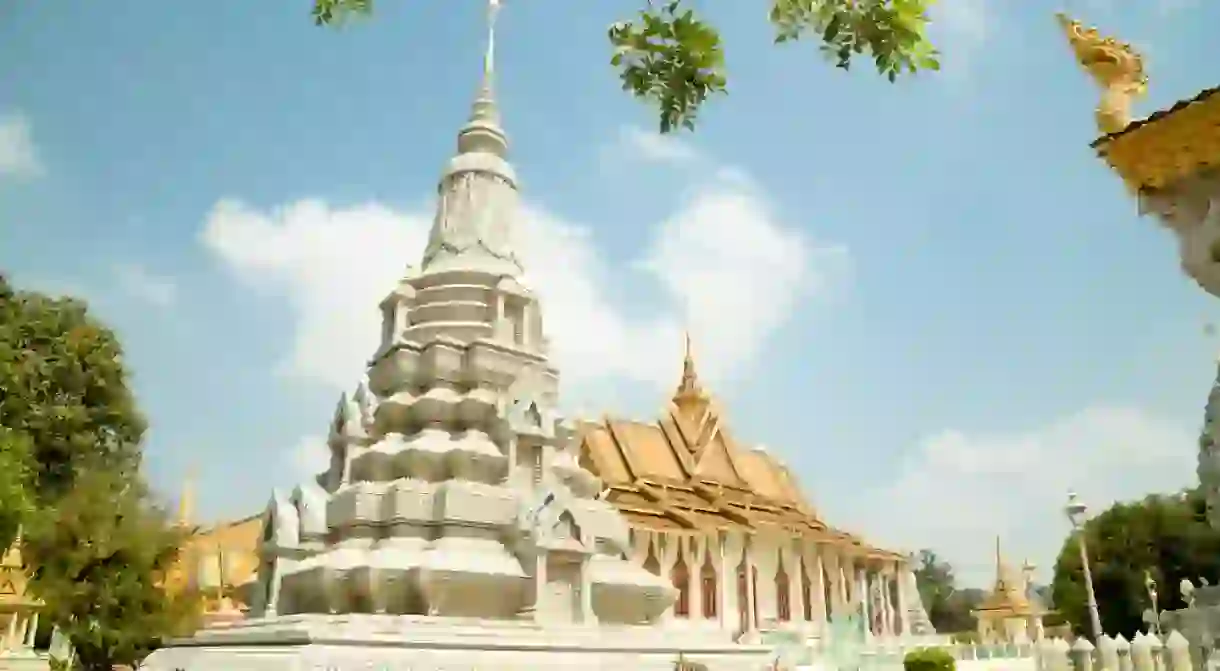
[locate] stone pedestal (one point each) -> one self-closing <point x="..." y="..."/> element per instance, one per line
<point x="349" y="642"/>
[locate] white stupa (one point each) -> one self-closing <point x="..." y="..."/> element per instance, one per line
<point x="454" y="528"/>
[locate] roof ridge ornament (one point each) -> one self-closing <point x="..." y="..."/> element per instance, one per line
<point x="689" y="387"/>
<point x="1116" y="67"/>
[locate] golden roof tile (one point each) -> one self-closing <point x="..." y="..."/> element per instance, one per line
<point x="1168" y="146"/>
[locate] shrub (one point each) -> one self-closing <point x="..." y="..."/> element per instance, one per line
<point x="929" y="659"/>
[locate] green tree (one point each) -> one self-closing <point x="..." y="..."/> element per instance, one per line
<point x="66" y="405"/>
<point x="672" y="59"/>
<point x="101" y="559"/>
<point x="950" y="609"/>
<point x="15" y="467"/>
<point x="1165" y="535"/>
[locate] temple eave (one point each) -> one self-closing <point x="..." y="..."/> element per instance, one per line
<point x="1168" y="146"/>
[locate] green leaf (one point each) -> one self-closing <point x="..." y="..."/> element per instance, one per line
<point x="671" y="58"/>
<point x="335" y="12"/>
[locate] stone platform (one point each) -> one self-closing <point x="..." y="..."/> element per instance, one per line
<point x="419" y="643"/>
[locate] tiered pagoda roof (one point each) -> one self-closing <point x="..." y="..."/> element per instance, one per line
<point x="686" y="472"/>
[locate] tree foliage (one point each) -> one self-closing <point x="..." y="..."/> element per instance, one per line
<point x="672" y="59"/>
<point x="15" y="483"/>
<point x="95" y="543"/>
<point x="65" y="397"/>
<point x="100" y="562"/>
<point x="950" y="609"/>
<point x="1166" y="535"/>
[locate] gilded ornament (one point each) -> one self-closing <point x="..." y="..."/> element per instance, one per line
<point x="1116" y="67"/>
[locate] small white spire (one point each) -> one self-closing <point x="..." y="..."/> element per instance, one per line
<point x="489" y="59"/>
<point x="482" y="131"/>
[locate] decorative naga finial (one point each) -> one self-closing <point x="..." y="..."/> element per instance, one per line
<point x="1116" y="67"/>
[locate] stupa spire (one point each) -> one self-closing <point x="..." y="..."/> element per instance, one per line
<point x="475" y="218"/>
<point x="482" y="132"/>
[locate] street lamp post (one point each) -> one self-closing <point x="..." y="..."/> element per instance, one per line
<point x="1154" y="619"/>
<point x="1076" y="511"/>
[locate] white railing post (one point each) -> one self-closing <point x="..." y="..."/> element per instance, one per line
<point x="1141" y="653"/>
<point x="1059" y="656"/>
<point x="1082" y="654"/>
<point x="1122" y="647"/>
<point x="1044" y="655"/>
<point x="1107" y="653"/>
<point x="1177" y="650"/>
<point x="1157" y="649"/>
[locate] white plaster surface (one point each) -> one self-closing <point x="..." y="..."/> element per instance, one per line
<point x="420" y="643"/>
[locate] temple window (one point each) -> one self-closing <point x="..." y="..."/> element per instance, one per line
<point x="681" y="580"/>
<point x="708" y="578"/>
<point x="743" y="594"/>
<point x="783" y="595"/>
<point x="651" y="564"/>
<point x="514" y="312"/>
<point x="806" y="593"/>
<point x="828" y="589"/>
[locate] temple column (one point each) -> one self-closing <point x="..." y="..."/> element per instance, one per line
<point x="586" y="594"/>
<point x="819" y="589"/>
<point x="796" y="591"/>
<point x="722" y="586"/>
<point x="10" y="637"/>
<point x="751" y="589"/>
<point x="32" y="636"/>
<point x="804" y="601"/>
<point x="862" y="598"/>
<point x="841" y="584"/>
<point x="887" y="594"/>
<point x="904" y="609"/>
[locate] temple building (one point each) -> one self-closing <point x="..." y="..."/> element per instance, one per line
<point x="216" y="562"/>
<point x="1010" y="613"/>
<point x="464" y="522"/>
<point x="20" y="631"/>
<point x="727" y="524"/>
<point x="730" y="527"/>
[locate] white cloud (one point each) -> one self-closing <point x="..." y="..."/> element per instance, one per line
<point x="18" y="155"/>
<point x="726" y="266"/>
<point x="333" y="266"/>
<point x="654" y="147"/>
<point x="139" y="283"/>
<point x="958" y="491"/>
<point x="309" y="457"/>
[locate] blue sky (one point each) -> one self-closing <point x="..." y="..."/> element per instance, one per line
<point x="931" y="299"/>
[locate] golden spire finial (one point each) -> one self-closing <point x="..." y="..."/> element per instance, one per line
<point x="1116" y="67"/>
<point x="689" y="386"/>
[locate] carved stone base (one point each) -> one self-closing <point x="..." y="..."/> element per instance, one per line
<point x="349" y="642"/>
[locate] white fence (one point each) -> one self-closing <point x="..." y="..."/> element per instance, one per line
<point x="1145" y="652"/>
